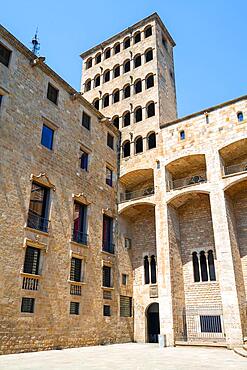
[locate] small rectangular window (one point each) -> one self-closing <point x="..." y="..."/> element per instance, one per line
<point x="125" y="306"/>
<point x="27" y="305"/>
<point x="210" y="324"/>
<point x="182" y="135"/>
<point x="110" y="141"/>
<point x="109" y="176"/>
<point x="84" y="160"/>
<point x="76" y="269"/>
<point x="52" y="93"/>
<point x="31" y="262"/>
<point x="1" y="99"/>
<point x="106" y="310"/>
<point x="74" y="308"/>
<point x="106" y="277"/>
<point x="80" y="223"/>
<point x="47" y="137"/>
<point x="124" y="279"/>
<point x="107" y="242"/>
<point x="4" y="55"/>
<point x="86" y="120"/>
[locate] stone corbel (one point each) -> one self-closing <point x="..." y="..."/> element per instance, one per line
<point x="37" y="61"/>
<point x="108" y="212"/>
<point x="81" y="197"/>
<point x="75" y="96"/>
<point x="43" y="179"/>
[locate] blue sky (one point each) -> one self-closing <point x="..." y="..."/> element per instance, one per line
<point x="210" y="56"/>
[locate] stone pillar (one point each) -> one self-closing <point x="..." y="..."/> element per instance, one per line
<point x="163" y="258"/>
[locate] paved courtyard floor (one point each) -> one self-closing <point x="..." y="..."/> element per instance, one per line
<point x="129" y="356"/>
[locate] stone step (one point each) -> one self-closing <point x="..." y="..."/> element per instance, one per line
<point x="201" y="344"/>
<point x="241" y="351"/>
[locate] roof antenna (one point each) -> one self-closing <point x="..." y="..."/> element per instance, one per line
<point x="36" y="43"/>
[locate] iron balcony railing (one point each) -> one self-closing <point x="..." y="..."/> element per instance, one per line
<point x="37" y="222"/>
<point x="187" y="181"/>
<point x="30" y="283"/>
<point x="79" y="237"/>
<point x="230" y="170"/>
<point x="75" y="289"/>
<point x="136" y="194"/>
<point x="108" y="247"/>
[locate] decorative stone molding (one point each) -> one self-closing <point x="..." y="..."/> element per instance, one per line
<point x="35" y="243"/>
<point x="108" y="212"/>
<point x="81" y="197"/>
<point x="42" y="178"/>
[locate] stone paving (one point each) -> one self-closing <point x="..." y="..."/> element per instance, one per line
<point x="129" y="356"/>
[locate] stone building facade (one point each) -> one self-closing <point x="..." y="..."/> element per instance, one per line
<point x="148" y="207"/>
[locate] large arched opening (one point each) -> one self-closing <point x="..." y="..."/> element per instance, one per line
<point x="153" y="323"/>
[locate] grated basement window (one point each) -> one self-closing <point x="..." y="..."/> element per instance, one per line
<point x="74" y="308"/>
<point x="210" y="324"/>
<point x="106" y="310"/>
<point x="125" y="306"/>
<point x="31" y="263"/>
<point x="27" y="305"/>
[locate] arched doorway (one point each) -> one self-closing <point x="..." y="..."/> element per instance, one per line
<point x="153" y="323"/>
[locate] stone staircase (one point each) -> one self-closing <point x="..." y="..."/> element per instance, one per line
<point x="242" y="351"/>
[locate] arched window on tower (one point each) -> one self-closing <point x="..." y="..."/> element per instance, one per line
<point x="150" y="107"/>
<point x="137" y="61"/>
<point x="240" y="116"/>
<point x="89" y="63"/>
<point x="117" y="48"/>
<point x="98" y="58"/>
<point x="137" y="37"/>
<point x="151" y="138"/>
<point x="116" y="71"/>
<point x="146" y="270"/>
<point x="96" y="80"/>
<point x="148" y="55"/>
<point x="153" y="269"/>
<point x="126" y="119"/>
<point x="126" y="43"/>
<point x="115" y="96"/>
<point x="126" y="149"/>
<point x="138" y="86"/>
<point x="106" y="76"/>
<point x="126" y="66"/>
<point x="115" y="121"/>
<point x="138" y="145"/>
<point x="149" y="81"/>
<point x="126" y="91"/>
<point x="88" y="85"/>
<point x="96" y="103"/>
<point x="107" y="53"/>
<point x="148" y="31"/>
<point x="105" y="100"/>
<point x="203" y="266"/>
<point x="138" y="114"/>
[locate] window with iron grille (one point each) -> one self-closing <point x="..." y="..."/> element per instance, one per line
<point x="106" y="310"/>
<point x="210" y="324"/>
<point x="84" y="160"/>
<point x="47" y="137"/>
<point x="27" y="305"/>
<point x="125" y="306"/>
<point x="106" y="277"/>
<point x="31" y="262"/>
<point x="86" y="120"/>
<point x="74" y="308"/>
<point x="38" y="208"/>
<point x="52" y="93"/>
<point x="109" y="176"/>
<point x="4" y="55"/>
<point x="75" y="269"/>
<point x="110" y="140"/>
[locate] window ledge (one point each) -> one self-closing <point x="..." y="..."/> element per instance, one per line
<point x="108" y="253"/>
<point x="204" y="282"/>
<point x="79" y="244"/>
<point x="32" y="276"/>
<point x="36" y="231"/>
<point x="76" y="282"/>
<point x="234" y="174"/>
<point x="107" y="287"/>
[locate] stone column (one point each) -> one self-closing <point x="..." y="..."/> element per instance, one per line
<point x="225" y="263"/>
<point x="163" y="257"/>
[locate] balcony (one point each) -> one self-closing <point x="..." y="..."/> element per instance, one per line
<point x="131" y="195"/>
<point x="109" y="248"/>
<point x="35" y="221"/>
<point x="187" y="181"/>
<point x="79" y="237"/>
<point x="236" y="168"/>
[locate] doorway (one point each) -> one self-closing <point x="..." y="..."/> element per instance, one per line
<point x="153" y="323"/>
